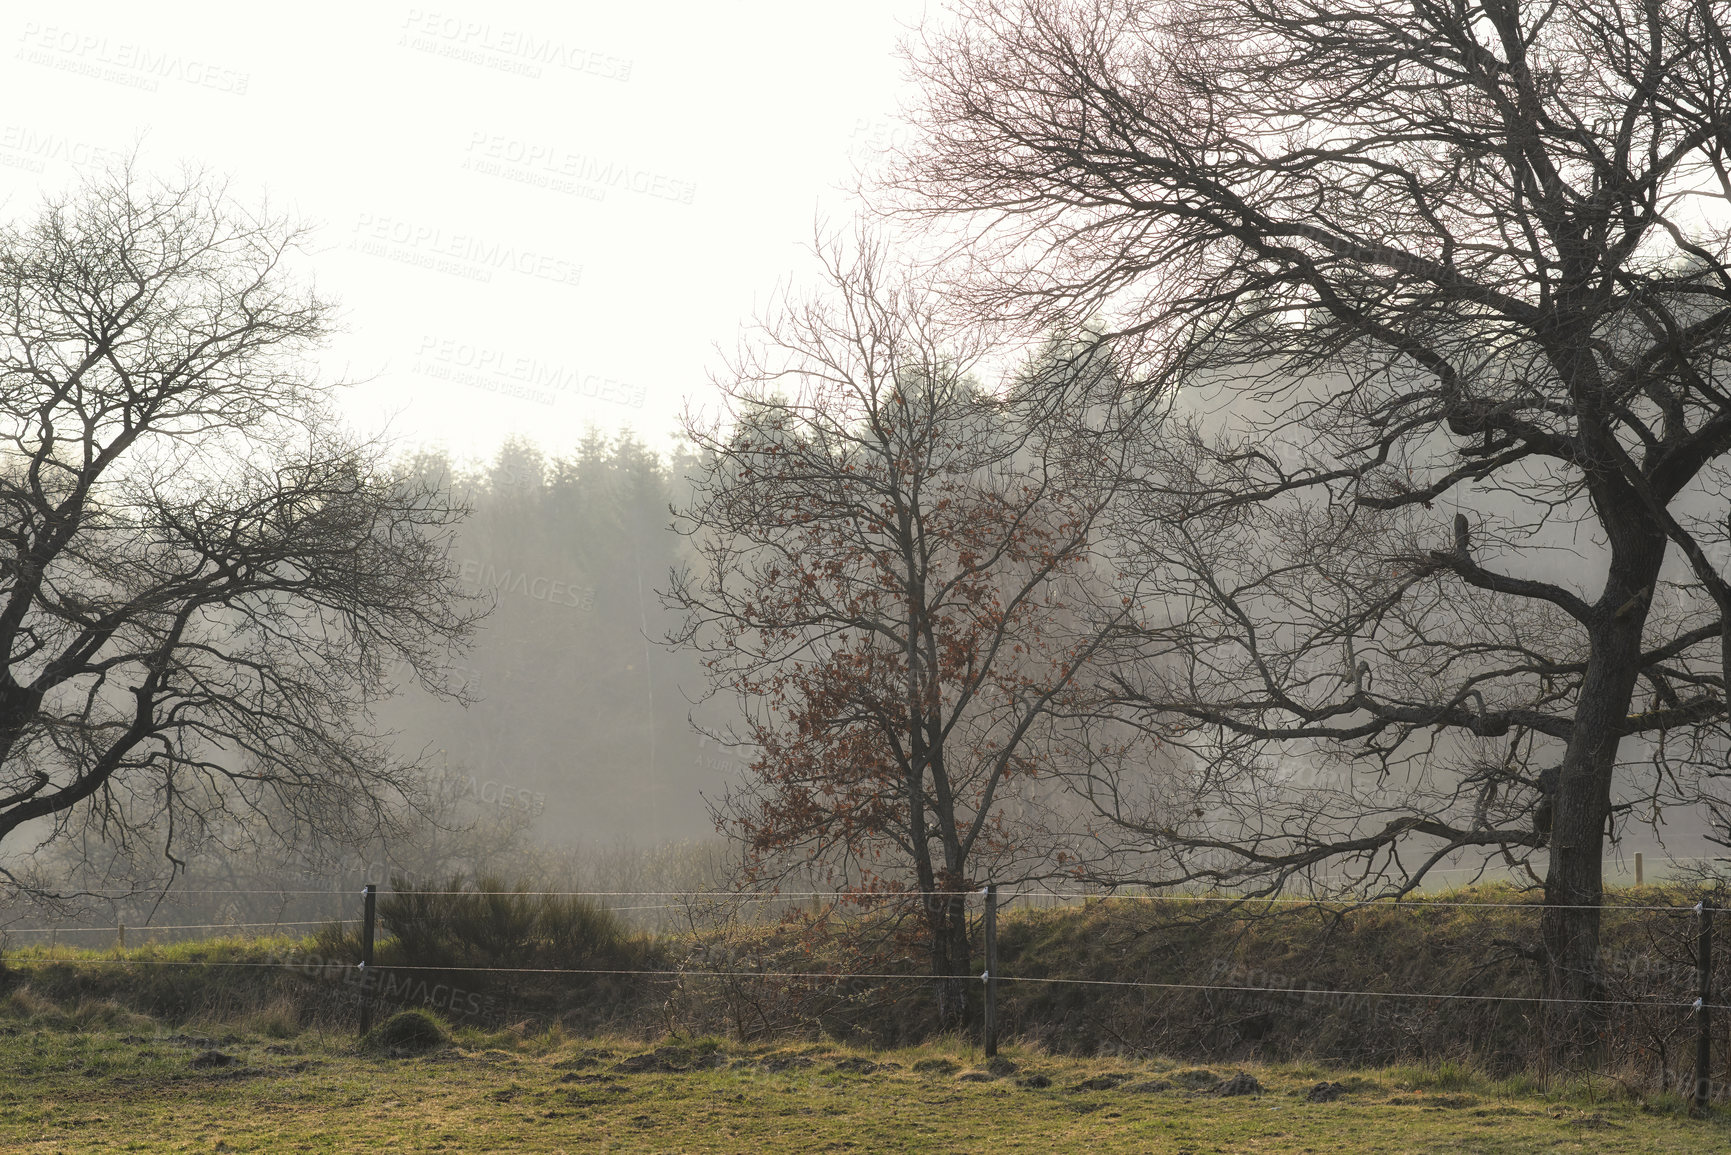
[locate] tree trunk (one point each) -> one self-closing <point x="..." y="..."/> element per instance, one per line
<point x="1574" y="883"/>
<point x="951" y="957"/>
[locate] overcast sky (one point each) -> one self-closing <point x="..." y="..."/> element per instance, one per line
<point x="536" y="216"/>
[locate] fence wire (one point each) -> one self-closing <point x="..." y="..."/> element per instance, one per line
<point x="847" y="976"/>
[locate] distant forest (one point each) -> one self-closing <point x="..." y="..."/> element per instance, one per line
<point x="578" y="716"/>
<point x="569" y="760"/>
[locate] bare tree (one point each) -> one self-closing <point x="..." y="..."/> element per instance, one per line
<point x="202" y="578"/>
<point x="895" y="580"/>
<point x="1438" y="256"/>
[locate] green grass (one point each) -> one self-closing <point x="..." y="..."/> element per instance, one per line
<point x="113" y="1089"/>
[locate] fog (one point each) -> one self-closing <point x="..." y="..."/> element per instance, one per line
<point x="538" y="217"/>
<point x="540" y="221"/>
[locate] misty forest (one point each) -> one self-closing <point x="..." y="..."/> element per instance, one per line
<point x="1224" y="558"/>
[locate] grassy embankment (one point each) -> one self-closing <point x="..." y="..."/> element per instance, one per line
<point x="1335" y="974"/>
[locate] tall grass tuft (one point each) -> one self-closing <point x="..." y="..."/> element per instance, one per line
<point x="489" y="923"/>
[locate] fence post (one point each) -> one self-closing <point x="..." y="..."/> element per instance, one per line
<point x="120" y="938"/>
<point x="1638" y="878"/>
<point x="371" y="893"/>
<point x="991" y="975"/>
<point x="1704" y="1020"/>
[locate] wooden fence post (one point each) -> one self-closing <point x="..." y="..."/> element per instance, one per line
<point x="991" y="975"/>
<point x="1703" y="1009"/>
<point x="371" y="893"/>
<point x="1638" y="877"/>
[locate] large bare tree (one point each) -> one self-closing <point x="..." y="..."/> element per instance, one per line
<point x="202" y="577"/>
<point x="896" y="581"/>
<point x="1457" y="272"/>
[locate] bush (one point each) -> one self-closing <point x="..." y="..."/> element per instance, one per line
<point x="32" y="1007"/>
<point x="487" y="923"/>
<point x="337" y="942"/>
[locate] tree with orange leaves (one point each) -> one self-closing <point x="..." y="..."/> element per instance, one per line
<point x="897" y="581"/>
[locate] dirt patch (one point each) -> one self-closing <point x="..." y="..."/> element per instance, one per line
<point x="1324" y="1093"/>
<point x="854" y="1066"/>
<point x="209" y="1059"/>
<point x="671" y="1060"/>
<point x="1107" y="1082"/>
<point x="1239" y="1084"/>
<point x="936" y="1067"/>
<point x="997" y="1068"/>
<point x="406" y="1033"/>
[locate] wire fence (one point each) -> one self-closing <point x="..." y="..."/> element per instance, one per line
<point x="887" y="976"/>
<point x="146" y="933"/>
<point x="766" y="904"/>
<point x="1206" y="967"/>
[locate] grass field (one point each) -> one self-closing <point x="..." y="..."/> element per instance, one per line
<point x="120" y="1088"/>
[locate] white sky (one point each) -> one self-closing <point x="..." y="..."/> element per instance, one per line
<point x="476" y="140"/>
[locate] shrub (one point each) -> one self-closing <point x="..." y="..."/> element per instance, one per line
<point x="280" y="1019"/>
<point x="487" y="923"/>
<point x="33" y="1007"/>
<point x="337" y="941"/>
